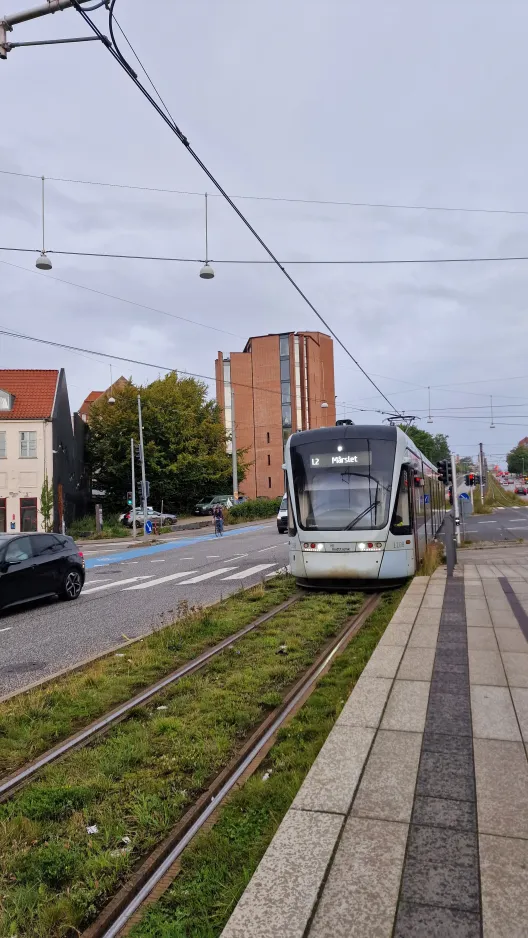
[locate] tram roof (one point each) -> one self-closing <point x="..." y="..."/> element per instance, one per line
<point x="373" y="431"/>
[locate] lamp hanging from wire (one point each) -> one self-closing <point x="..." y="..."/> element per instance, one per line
<point x="207" y="272"/>
<point x="43" y="262"/>
<point x="111" y="399"/>
<point x="492" y="425"/>
<point x="429" y="419"/>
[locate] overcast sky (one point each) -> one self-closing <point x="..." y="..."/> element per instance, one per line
<point x="409" y="103"/>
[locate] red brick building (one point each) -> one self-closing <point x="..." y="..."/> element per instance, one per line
<point x="281" y="384"/>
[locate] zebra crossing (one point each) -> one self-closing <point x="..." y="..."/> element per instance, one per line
<point x="182" y="578"/>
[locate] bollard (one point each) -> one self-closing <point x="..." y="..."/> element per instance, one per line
<point x="450" y="543"/>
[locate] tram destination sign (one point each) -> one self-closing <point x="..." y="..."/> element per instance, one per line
<point x="340" y="460"/>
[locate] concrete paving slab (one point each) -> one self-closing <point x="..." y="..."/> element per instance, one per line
<point x="478" y="617"/>
<point x="365" y="705"/>
<point x="504" y="619"/>
<point x="360" y="897"/>
<point x="388" y="794"/>
<point x="520" y="702"/>
<point x="444" y="812"/>
<point x="441" y="869"/>
<point x="407" y="706"/>
<point x="476" y="604"/>
<point x="291" y="871"/>
<point x="485" y="667"/>
<point x="493" y="713"/>
<point x="503" y="871"/>
<point x="404" y="616"/>
<point x="418" y="921"/>
<point x="501" y="773"/>
<point x="512" y="640"/>
<point x="428" y="617"/>
<point x="446" y="775"/>
<point x="417" y="664"/>
<point x="396" y="634"/>
<point x="450" y="714"/>
<point x="384" y="662"/>
<point x="481" y="639"/>
<point x="424" y="636"/>
<point x="332" y="780"/>
<point x="516" y="667"/>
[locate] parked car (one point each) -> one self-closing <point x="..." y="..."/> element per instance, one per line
<point x="282" y="516"/>
<point x="152" y="515"/>
<point x="206" y="505"/>
<point x="34" y="566"/>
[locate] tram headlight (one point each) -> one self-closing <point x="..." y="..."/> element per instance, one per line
<point x="310" y="545"/>
<point x="369" y="545"/>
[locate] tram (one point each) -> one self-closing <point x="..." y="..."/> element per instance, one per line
<point x="363" y="503"/>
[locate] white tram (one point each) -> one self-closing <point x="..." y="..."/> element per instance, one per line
<point x="363" y="503"/>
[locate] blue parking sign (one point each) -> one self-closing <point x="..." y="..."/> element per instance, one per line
<point x="148" y="527"/>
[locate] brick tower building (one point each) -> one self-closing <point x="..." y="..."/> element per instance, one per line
<point x="281" y="384"/>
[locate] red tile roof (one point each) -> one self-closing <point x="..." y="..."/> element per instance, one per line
<point x="33" y="390"/>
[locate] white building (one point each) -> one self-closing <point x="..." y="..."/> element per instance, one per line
<point x="36" y="442"/>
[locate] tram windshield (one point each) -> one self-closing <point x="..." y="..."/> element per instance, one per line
<point x="342" y="485"/>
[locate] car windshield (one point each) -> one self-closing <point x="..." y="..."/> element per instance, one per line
<point x="341" y="485"/>
<point x="284" y="504"/>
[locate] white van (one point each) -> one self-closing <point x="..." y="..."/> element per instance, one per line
<point x="282" y="516"/>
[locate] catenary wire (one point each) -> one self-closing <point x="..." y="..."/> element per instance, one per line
<point x="183" y="139"/>
<point x="330" y="262"/>
<point x="269" y="198"/>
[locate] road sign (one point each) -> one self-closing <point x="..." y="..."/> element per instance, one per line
<point x="426" y="499"/>
<point x="148" y="527"/>
<point x="464" y="495"/>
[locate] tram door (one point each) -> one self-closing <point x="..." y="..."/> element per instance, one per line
<point x="405" y="516"/>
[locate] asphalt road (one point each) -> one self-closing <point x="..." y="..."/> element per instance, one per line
<point x="131" y="592"/>
<point x="504" y="524"/>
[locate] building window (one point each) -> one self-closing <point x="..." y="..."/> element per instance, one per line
<point x="285" y="369"/>
<point x="269" y="460"/>
<point x="284" y="346"/>
<point x="286" y="392"/>
<point x="3" y="445"/>
<point x="28" y="514"/>
<point x="267" y="437"/>
<point x="28" y="445"/>
<point x="6" y="400"/>
<point x="269" y="482"/>
<point x="286" y="415"/>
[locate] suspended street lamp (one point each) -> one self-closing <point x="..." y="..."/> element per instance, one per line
<point x="43" y="262"/>
<point x="429" y="419"/>
<point x="492" y="425"/>
<point x="207" y="272"/>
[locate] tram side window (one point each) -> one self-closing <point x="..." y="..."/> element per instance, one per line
<point x="401" y="519"/>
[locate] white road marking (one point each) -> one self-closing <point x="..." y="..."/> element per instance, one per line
<point x="132" y="579"/>
<point x="262" y="549"/>
<point x="250" y="571"/>
<point x="159" y="581"/>
<point x="486" y="522"/>
<point x="6" y="630"/>
<point x="187" y="558"/>
<point x="207" y="576"/>
<point x="157" y="561"/>
<point x="237" y="557"/>
<point x="212" y="556"/>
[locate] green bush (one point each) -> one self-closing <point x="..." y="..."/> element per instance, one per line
<point x="253" y="510"/>
<point x="85" y="527"/>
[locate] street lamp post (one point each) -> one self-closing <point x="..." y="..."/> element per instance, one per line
<point x="324" y="407"/>
<point x="142" y="456"/>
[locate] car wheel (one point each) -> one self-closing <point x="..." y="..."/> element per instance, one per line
<point x="73" y="585"/>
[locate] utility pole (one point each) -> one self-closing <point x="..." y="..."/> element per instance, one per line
<point x="481" y="467"/>
<point x="456" y="506"/>
<point x="13" y="19"/>
<point x="133" y="464"/>
<point x="233" y="447"/>
<point x="142" y="456"/>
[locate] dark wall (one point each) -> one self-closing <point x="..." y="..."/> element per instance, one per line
<point x="67" y="460"/>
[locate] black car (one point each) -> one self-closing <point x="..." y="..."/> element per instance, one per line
<point x="33" y="566"/>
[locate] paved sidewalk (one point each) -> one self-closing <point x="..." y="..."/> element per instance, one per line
<point x="413" y="821"/>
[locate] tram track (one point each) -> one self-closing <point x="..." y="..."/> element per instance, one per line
<point x="14" y="782"/>
<point x="157" y="872"/>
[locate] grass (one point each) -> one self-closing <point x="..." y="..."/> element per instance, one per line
<point x="495" y="496"/>
<point x="85" y="527"/>
<point x="138" y="780"/>
<point x="433" y="557"/>
<point x="218" y="866"/>
<point x="32" y="722"/>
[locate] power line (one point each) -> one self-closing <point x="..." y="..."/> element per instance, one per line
<point x="272" y="198"/>
<point x="183" y="139"/>
<point x="121" y="299"/>
<point x="353" y="262"/>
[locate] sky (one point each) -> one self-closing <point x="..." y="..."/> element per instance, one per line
<point x="391" y="103"/>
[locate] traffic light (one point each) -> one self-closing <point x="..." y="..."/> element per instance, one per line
<point x="450" y="494"/>
<point x="445" y="474"/>
<point x="471" y="478"/>
<point x="129" y="498"/>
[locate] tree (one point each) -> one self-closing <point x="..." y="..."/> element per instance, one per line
<point x="46" y="505"/>
<point x="434" y="447"/>
<point x="184" y="440"/>
<point x="518" y="459"/>
<point x="466" y="464"/>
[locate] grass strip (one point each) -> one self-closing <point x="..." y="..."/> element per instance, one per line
<point x="219" y="864"/>
<point x="38" y="719"/>
<point x="71" y="838"/>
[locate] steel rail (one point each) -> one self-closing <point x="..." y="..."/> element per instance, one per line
<point x="141" y="894"/>
<point x="10" y="784"/>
